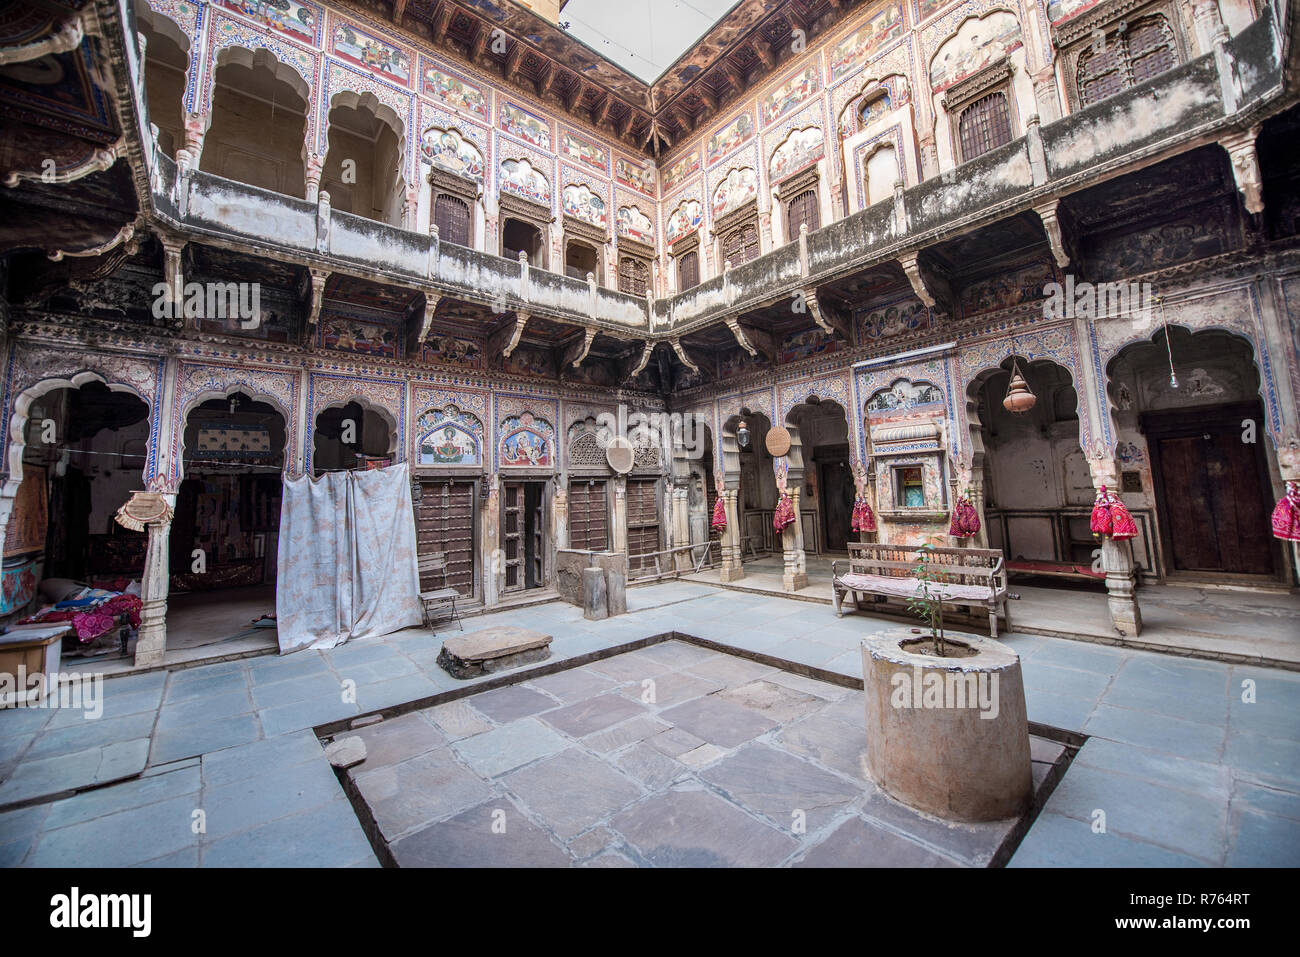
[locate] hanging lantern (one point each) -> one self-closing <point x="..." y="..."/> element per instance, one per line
<point x="1019" y="399"/>
<point x="742" y="435"/>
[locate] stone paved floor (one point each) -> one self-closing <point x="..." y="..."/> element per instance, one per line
<point x="672" y="755"/>
<point x="1185" y="770"/>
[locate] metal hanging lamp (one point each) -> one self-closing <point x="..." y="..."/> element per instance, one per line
<point x="1019" y="399"/>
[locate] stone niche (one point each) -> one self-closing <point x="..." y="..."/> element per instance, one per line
<point x="911" y="481"/>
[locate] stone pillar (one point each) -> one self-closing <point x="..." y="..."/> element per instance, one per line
<point x="732" y="570"/>
<point x="152" y="510"/>
<point x="315" y="166"/>
<point x="620" y="515"/>
<point x="196" y="128"/>
<point x="929" y="155"/>
<point x="1117" y="560"/>
<point x="1049" y="105"/>
<point x="411" y="209"/>
<point x="492" y="558"/>
<point x="681" y="525"/>
<point x="796" y="564"/>
<point x="1208" y="21"/>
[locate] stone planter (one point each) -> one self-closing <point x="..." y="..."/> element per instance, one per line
<point x="948" y="736"/>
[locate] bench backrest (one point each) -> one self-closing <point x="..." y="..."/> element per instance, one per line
<point x="962" y="566"/>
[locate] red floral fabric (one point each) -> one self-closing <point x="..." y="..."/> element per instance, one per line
<point x="719" y="515"/>
<point x="784" y="516"/>
<point x="1286" y="514"/>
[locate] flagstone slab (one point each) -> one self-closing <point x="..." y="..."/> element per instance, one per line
<point x="493" y="649"/>
<point x="698" y="829"/>
<point x="491" y="834"/>
<point x="717" y="721"/>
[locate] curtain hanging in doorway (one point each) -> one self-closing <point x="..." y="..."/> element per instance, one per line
<point x="346" y="564"/>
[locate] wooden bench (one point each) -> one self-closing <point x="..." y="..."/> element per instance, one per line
<point x="437" y="600"/>
<point x="967" y="576"/>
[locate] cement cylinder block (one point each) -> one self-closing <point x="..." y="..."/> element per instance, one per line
<point x="948" y="736"/>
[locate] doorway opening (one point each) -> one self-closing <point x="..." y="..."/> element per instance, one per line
<point x="822" y="428"/>
<point x="523" y="534"/>
<point x="518" y="236"/>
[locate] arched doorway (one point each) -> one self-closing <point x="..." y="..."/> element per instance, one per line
<point x="225" y="532"/>
<point x="581" y="258"/>
<point x="589" y="501"/>
<point x="751" y="464"/>
<point x="1037" y="488"/>
<point x="519" y="236"/>
<point x="363" y="167"/>
<point x="259" y="119"/>
<point x="350" y="436"/>
<point x="1192" y="442"/>
<point x="821" y="427"/>
<point x="85" y="448"/>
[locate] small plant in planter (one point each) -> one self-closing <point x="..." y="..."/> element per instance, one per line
<point x="927" y="604"/>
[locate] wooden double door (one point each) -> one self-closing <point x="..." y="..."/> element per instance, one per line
<point x="1212" y="489"/>
<point x="589" y="514"/>
<point x="642" y="520"/>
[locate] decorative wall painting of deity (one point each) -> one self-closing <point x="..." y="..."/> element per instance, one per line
<point x="519" y="177"/>
<point x="448" y="444"/>
<point x="800" y="149"/>
<point x="684" y="167"/>
<point x="525" y="447"/>
<point x="738" y="187"/>
<point x="639" y="178"/>
<point x="287" y="17"/>
<point x="372" y="55"/>
<point x="790" y="94"/>
<point x="635" y="224"/>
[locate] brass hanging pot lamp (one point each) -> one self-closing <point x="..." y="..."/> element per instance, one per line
<point x="1019" y="399"/>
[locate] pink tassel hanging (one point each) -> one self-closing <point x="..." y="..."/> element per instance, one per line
<point x="972" y="521"/>
<point x="1102" y="521"/>
<point x="1286" y="514"/>
<point x="864" y="520"/>
<point x="719" y="515"/>
<point x="965" y="522"/>
<point x="784" y="516"/>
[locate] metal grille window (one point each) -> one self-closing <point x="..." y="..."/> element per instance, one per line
<point x="802" y="209"/>
<point x="633" y="275"/>
<point x="688" y="270"/>
<point x="451" y="216"/>
<point x="741" y="245"/>
<point x="984" y="125"/>
<point x="1145" y="49"/>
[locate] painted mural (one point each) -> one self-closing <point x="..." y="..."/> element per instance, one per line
<point x="736" y="133"/>
<point x="527" y="441"/>
<point x="526" y="360"/>
<point x="532" y="129"/>
<point x="449" y="436"/>
<point x="904" y="398"/>
<point x="679" y="171"/>
<point x="455" y="92"/>
<point x="895" y="320"/>
<point x="448" y="150"/>
<point x="289" y="18"/>
<point x="581" y="203"/>
<point x="858" y="47"/>
<point x="1004" y="291"/>
<point x="798" y="151"/>
<point x="635" y="224"/>
<point x="355" y="335"/>
<point x="683" y="220"/>
<point x="804" y="345"/>
<point x="453" y="350"/>
<point x="519" y="177"/>
<point x="584" y="151"/>
<point x="789" y="95"/>
<point x="639" y="178"/>
<point x="373" y="55"/>
<point x="977" y="44"/>
<point x="738" y="187"/>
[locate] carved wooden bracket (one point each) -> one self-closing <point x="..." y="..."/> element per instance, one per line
<point x="676" y="343"/>
<point x="738" y="331"/>
<point x="931" y="289"/>
<point x="1048" y="213"/>
<point x="574" y="355"/>
<point x="827" y="317"/>
<point x="643" y="361"/>
<point x="67" y="37"/>
<point x="1245" y="167"/>
<point x="507" y="338"/>
<point x="318" y="277"/>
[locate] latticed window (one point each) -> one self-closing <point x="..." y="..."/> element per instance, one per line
<point x="451" y="216"/>
<point x="984" y="125"/>
<point x="802" y="209"/>
<point x="633" y="275"/>
<point x="741" y="244"/>
<point x="1145" y="49"/>
<point x="688" y="270"/>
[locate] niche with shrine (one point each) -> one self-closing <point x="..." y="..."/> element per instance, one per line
<point x="909" y="458"/>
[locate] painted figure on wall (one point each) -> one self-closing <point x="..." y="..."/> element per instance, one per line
<point x="738" y="187"/>
<point x="527" y="442"/>
<point x="455" y="92"/>
<point x="639" y="178"/>
<point x="448" y="445"/>
<point x="519" y="177"/>
<point x="679" y="171"/>
<point x="448" y="150"/>
<point x="974" y="46"/>
<point x="731" y="136"/>
<point x="684" y="220"/>
<point x="790" y="94"/>
<point x="293" y="19"/>
<point x="635" y="224"/>
<point x="521" y="123"/>
<point x="799" y="150"/>
<point x="581" y="203"/>
<point x="858" y="47"/>
<point x="378" y="58"/>
<point x="584" y="152"/>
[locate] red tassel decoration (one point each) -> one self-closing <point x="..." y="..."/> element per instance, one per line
<point x="784" y="516"/>
<point x="719" y="515"/>
<point x="1122" y="522"/>
<point x="965" y="522"/>
<point x="864" y="520"/>
<point x="1101" y="517"/>
<point x="1286" y="514"/>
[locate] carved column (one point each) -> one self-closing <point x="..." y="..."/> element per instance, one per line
<point x="732" y="569"/>
<point x="196" y="128"/>
<point x="681" y="524"/>
<point x="1049" y="104"/>
<point x="315" y="166"/>
<point x="620" y="515"/>
<point x="560" y="506"/>
<point x="152" y="510"/>
<point x="492" y="558"/>
<point x="1208" y="21"/>
<point x="1117" y="558"/>
<point x="795" y="575"/>
<point x="929" y="155"/>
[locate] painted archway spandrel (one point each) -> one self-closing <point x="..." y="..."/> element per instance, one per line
<point x="831" y="388"/>
<point x="195" y="383"/>
<point x="140" y="374"/>
<point x="225" y="33"/>
<point x="333" y="390"/>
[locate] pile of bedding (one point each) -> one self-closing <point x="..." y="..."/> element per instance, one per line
<point x="93" y="612"/>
